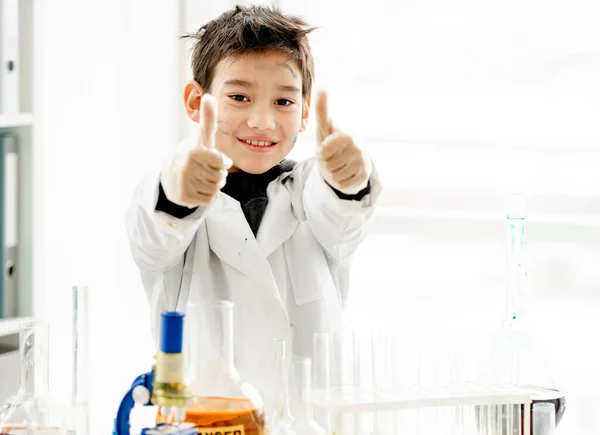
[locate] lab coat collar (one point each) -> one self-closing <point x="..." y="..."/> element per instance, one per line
<point x="231" y="238"/>
<point x="278" y="223"/>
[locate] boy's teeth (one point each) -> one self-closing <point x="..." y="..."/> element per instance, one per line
<point x="259" y="143"/>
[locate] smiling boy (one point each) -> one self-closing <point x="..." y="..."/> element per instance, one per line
<point x="227" y="216"/>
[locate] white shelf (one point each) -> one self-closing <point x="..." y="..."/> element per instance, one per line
<point x="16" y="120"/>
<point x="11" y="326"/>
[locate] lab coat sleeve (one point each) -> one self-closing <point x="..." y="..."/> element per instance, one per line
<point x="339" y="225"/>
<point x="158" y="241"/>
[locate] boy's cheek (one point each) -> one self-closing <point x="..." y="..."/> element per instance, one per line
<point x="225" y="125"/>
<point x="224" y="141"/>
<point x="291" y="123"/>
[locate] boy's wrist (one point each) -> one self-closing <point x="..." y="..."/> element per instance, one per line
<point x="354" y="196"/>
<point x="167" y="206"/>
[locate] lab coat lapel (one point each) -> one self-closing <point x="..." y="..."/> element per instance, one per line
<point x="231" y="239"/>
<point x="278" y="223"/>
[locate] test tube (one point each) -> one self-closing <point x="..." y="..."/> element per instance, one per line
<point x="363" y="422"/>
<point x="382" y="380"/>
<point x="342" y="373"/>
<point x="321" y="379"/>
<point x="300" y="390"/>
<point x="544" y="418"/>
<point x="80" y="360"/>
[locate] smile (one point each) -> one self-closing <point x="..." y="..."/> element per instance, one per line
<point x="258" y="146"/>
<point x="258" y="143"/>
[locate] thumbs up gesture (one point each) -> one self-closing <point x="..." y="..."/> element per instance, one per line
<point x="197" y="170"/>
<point x="341" y="162"/>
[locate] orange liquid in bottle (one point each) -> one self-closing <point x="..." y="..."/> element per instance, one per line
<point x="223" y="412"/>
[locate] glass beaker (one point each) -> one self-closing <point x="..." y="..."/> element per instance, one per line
<point x="33" y="410"/>
<point x="221" y="398"/>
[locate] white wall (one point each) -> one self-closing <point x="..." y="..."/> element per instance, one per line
<point x="461" y="71"/>
<point x="107" y="107"/>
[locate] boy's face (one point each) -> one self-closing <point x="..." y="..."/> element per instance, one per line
<point x="261" y="109"/>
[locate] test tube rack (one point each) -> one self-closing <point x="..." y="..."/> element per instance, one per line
<point x="354" y="400"/>
<point x="370" y="382"/>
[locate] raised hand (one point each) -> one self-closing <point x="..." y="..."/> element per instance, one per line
<point x="341" y="162"/>
<point x="197" y="171"/>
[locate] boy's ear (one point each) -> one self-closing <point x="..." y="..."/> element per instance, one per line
<point x="191" y="98"/>
<point x="305" y="113"/>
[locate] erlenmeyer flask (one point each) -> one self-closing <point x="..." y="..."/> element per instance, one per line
<point x="295" y="416"/>
<point x="520" y="359"/>
<point x="300" y="397"/>
<point x="33" y="410"/>
<point x="221" y="398"/>
<point x="282" y="419"/>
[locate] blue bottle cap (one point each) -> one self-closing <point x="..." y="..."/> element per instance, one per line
<point x="171" y="332"/>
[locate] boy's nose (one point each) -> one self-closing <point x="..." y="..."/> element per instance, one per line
<point x="261" y="119"/>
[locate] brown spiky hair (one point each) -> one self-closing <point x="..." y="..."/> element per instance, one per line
<point x="251" y="29"/>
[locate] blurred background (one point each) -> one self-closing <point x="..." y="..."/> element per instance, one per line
<point x="458" y="101"/>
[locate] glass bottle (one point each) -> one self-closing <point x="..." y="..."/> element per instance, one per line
<point x="33" y="410"/>
<point x="295" y="416"/>
<point x="221" y="398"/>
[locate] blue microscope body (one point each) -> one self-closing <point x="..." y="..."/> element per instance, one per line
<point x="163" y="386"/>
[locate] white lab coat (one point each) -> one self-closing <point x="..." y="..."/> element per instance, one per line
<point x="289" y="282"/>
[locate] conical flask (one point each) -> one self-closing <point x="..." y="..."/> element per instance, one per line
<point x="520" y="358"/>
<point x="294" y="416"/>
<point x="282" y="419"/>
<point x="32" y="410"/>
<point x="222" y="400"/>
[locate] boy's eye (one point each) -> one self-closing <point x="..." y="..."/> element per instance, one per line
<point x="238" y="97"/>
<point x="284" y="102"/>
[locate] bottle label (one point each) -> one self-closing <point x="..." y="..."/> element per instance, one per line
<point x="229" y="430"/>
<point x="169" y="368"/>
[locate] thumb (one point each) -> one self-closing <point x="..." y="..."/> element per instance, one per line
<point x="208" y="121"/>
<point x="324" y="127"/>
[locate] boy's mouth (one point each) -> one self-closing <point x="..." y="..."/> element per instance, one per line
<point x="257" y="145"/>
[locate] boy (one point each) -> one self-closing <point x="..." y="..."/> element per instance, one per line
<point x="228" y="217"/>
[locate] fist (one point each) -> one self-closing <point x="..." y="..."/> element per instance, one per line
<point x="341" y="162"/>
<point x="197" y="170"/>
